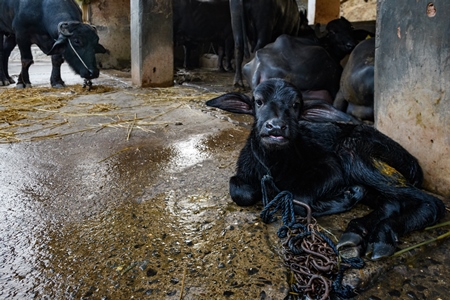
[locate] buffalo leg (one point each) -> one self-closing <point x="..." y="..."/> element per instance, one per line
<point x="24" y="77"/>
<point x="3" y="79"/>
<point x="240" y="40"/>
<point x="225" y="51"/>
<point x="187" y="57"/>
<point x="385" y="153"/>
<point x="55" y="78"/>
<point x="9" y="43"/>
<point x="26" y="58"/>
<point x="189" y="62"/>
<point x="340" y="102"/>
<point x="243" y="193"/>
<point x="221" y="54"/>
<point x="377" y="233"/>
<point x="229" y="45"/>
<point x="342" y="202"/>
<point x="239" y="58"/>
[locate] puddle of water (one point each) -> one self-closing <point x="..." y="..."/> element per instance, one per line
<point x="188" y="153"/>
<point x="82" y="222"/>
<point x="141" y="250"/>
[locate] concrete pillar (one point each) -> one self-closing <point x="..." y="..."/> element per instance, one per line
<point x="151" y="43"/>
<point x="412" y="86"/>
<point x="112" y="20"/>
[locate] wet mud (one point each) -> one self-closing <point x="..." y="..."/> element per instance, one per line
<point x="133" y="202"/>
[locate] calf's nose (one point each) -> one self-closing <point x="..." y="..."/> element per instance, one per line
<point x="276" y="124"/>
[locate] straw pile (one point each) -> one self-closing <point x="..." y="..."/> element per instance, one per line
<point x="25" y="107"/>
<point x="35" y="114"/>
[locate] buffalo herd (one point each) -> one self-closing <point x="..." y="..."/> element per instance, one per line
<point x="275" y="31"/>
<point x="275" y="37"/>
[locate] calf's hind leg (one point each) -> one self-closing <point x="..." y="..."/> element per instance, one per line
<point x="377" y="233"/>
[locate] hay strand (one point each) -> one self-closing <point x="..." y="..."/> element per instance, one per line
<point x="41" y="109"/>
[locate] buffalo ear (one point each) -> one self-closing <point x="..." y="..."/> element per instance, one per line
<point x="233" y="102"/>
<point x="59" y="46"/>
<point x="321" y="111"/>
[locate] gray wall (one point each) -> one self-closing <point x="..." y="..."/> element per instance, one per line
<point x="412" y="83"/>
<point x="112" y="19"/>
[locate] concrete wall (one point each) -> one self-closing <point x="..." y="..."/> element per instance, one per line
<point x="151" y="43"/>
<point x="112" y="19"/>
<point x="412" y="83"/>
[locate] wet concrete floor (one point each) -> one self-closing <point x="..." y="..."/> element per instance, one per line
<point x="131" y="202"/>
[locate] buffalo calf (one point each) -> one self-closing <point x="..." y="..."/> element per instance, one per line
<point x="331" y="166"/>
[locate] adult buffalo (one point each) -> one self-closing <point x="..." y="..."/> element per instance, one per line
<point x="206" y="21"/>
<point x="56" y="28"/>
<point x="260" y="23"/>
<point x="300" y="61"/>
<point x="330" y="166"/>
<point x="311" y="65"/>
<point x="356" y="93"/>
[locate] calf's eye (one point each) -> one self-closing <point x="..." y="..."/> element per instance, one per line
<point x="258" y="102"/>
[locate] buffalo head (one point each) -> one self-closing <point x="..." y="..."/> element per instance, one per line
<point x="78" y="43"/>
<point x="340" y="37"/>
<point x="276" y="106"/>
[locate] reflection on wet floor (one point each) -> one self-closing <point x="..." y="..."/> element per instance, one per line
<point x="188" y="153"/>
<point x="114" y="218"/>
<point x="142" y="250"/>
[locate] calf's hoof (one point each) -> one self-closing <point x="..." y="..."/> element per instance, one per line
<point x="350" y="245"/>
<point x="379" y="250"/>
<point x="354" y="194"/>
<point x="380" y="243"/>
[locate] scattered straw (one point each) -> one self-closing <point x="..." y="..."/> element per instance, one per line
<point x="130" y="128"/>
<point x="182" y="283"/>
<point x="102" y="107"/>
<point x="18" y="104"/>
<point x="40" y="109"/>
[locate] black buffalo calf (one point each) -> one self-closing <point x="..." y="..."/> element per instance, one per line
<point x="331" y="166"/>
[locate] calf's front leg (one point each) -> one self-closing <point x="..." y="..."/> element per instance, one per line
<point x="244" y="193"/>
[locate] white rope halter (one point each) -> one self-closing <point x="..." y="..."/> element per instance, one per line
<point x="79" y="57"/>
